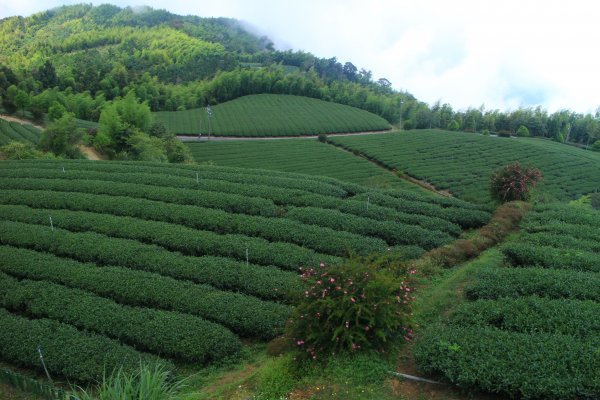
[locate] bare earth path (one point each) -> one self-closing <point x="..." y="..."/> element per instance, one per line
<point x="195" y="138"/>
<point x="20" y="120"/>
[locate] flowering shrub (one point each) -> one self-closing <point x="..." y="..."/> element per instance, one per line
<point x="513" y="182"/>
<point x="357" y="305"/>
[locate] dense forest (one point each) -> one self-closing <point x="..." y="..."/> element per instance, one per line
<point x="82" y="57"/>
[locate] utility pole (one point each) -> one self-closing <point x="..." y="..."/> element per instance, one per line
<point x="400" y="114"/>
<point x="209" y="113"/>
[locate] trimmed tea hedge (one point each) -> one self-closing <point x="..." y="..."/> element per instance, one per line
<point x="516" y="365"/>
<point x="245" y="315"/>
<point x="73" y="354"/>
<point x="524" y="254"/>
<point x="160" y="332"/>
<point x="266" y="282"/>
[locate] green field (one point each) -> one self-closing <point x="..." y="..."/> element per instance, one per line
<point x="103" y="263"/>
<point x="530" y="328"/>
<point x="14" y="131"/>
<point x="304" y="156"/>
<point x="463" y="162"/>
<point x="272" y="115"/>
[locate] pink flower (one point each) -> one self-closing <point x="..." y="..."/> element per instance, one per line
<point x="352" y="299"/>
<point x="347" y="324"/>
<point x="300" y="342"/>
<point x="331" y="280"/>
<point x="322" y="265"/>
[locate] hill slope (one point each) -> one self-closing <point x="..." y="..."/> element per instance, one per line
<point x="14" y="131"/>
<point x="272" y="115"/>
<point x="304" y="156"/>
<point x="463" y="162"/>
<point x="211" y="254"/>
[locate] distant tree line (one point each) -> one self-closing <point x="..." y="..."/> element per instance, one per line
<point x="83" y="57"/>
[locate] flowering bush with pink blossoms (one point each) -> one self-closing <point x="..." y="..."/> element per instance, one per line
<point x="352" y="306"/>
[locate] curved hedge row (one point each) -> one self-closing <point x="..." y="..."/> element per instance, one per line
<point x="516" y="365"/>
<point x="245" y="315"/>
<point x="553" y="283"/>
<point x="465" y="217"/>
<point x="245" y="177"/>
<point x="223" y="273"/>
<point x="561" y="241"/>
<point x="183" y="169"/>
<point x="223" y="201"/>
<point x="160" y="332"/>
<point x="524" y="254"/>
<point x="532" y="314"/>
<point x="68" y="352"/>
<point x="562" y="228"/>
<point x="174" y="237"/>
<point x="229" y="202"/>
<point x="435" y="199"/>
<point x="391" y="232"/>
<point x="235" y="232"/>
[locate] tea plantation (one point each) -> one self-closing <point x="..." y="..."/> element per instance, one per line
<point x="306" y="156"/>
<point x="104" y="263"/>
<point x="530" y="327"/>
<point x="272" y="115"/>
<point x="14" y="131"/>
<point x="463" y="162"/>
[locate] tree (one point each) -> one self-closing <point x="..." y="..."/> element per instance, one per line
<point x="453" y="125"/>
<point x="61" y="136"/>
<point x="523" y="131"/>
<point x="513" y="182"/>
<point x="56" y="111"/>
<point x="47" y="75"/>
<point x="22" y="100"/>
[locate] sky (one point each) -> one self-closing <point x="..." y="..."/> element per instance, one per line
<point x="502" y="54"/>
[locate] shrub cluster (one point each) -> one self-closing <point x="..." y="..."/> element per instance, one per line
<point x="351" y="306"/>
<point x="160" y="332"/>
<point x="513" y="182"/>
<point x="245" y="315"/>
<point x="67" y="352"/>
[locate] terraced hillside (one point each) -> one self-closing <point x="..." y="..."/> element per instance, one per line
<point x="305" y="156"/>
<point x="272" y="115"/>
<point x="14" y="131"/>
<point x="530" y="327"/>
<point x="463" y="162"/>
<point x="126" y="260"/>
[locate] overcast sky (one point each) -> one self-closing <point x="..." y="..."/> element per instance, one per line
<point x="502" y="53"/>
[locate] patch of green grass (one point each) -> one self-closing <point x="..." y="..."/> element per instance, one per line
<point x="272" y="115"/>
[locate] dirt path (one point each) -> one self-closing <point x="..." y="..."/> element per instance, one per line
<point x="20" y="120"/>
<point x="204" y="138"/>
<point x="90" y="152"/>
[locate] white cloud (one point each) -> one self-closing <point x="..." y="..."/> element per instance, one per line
<point x="501" y="54"/>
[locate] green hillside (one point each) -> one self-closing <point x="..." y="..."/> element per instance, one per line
<point x="14" y="131"/>
<point x="272" y="115"/>
<point x="463" y="162"/>
<point x="200" y="256"/>
<point x="304" y="156"/>
<point x="529" y="327"/>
